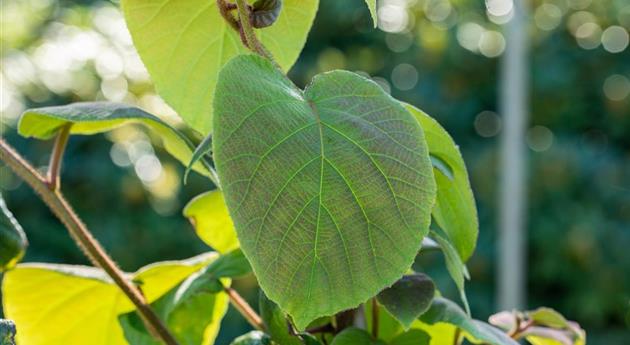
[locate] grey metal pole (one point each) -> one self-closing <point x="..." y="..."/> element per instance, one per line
<point x="513" y="106"/>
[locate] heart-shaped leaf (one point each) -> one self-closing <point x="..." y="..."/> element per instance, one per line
<point x="184" y="44"/>
<point x="330" y="189"/>
<point x="408" y="298"/>
<point x="455" y="210"/>
<point x="98" y="117"/>
<point x="209" y="215"/>
<point x="13" y="241"/>
<point x="78" y="305"/>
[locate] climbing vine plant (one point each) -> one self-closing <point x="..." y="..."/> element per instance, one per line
<point x="327" y="194"/>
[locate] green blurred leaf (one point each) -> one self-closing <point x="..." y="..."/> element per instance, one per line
<point x="445" y="311"/>
<point x="455" y="210"/>
<point x="78" y="305"/>
<point x="97" y="117"/>
<point x="455" y="266"/>
<point x="412" y="337"/>
<point x="184" y="44"/>
<point x="355" y="336"/>
<point x="265" y="13"/>
<point x="311" y="177"/>
<point x="192" y="311"/>
<point x="277" y="325"/>
<point x="408" y="298"/>
<point x="371" y="4"/>
<point x="13" y="241"/>
<point x="548" y="317"/>
<point x="388" y="326"/>
<point x="253" y="338"/>
<point x="211" y="220"/>
<point x="7" y="332"/>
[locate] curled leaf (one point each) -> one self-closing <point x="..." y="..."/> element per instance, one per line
<point x="210" y="218"/>
<point x="265" y="13"/>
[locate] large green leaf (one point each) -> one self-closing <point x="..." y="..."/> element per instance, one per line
<point x="355" y="336"/>
<point x="184" y="44"/>
<point x="12" y="238"/>
<point x="455" y="210"/>
<point x="445" y="311"/>
<point x="192" y="311"/>
<point x="209" y="215"/>
<point x="78" y="305"/>
<point x="408" y="298"/>
<point x="98" y="117"/>
<point x="7" y="332"/>
<point x="312" y="178"/>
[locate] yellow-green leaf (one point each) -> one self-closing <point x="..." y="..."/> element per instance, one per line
<point x="455" y="210"/>
<point x="12" y="238"/>
<point x="209" y="215"/>
<point x="184" y="44"/>
<point x="78" y="305"/>
<point x="97" y="117"/>
<point x="371" y="4"/>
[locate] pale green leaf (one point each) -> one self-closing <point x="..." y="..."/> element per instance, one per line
<point x="355" y="336"/>
<point x="412" y="337"/>
<point x="371" y="4"/>
<point x="13" y="241"/>
<point x="445" y="311"/>
<point x="7" y="332"/>
<point x="184" y="44"/>
<point x="440" y="333"/>
<point x="408" y="298"/>
<point x="311" y="178"/>
<point x="191" y="311"/>
<point x="98" y="117"/>
<point x="253" y="338"/>
<point x="455" y="210"/>
<point x="211" y="220"/>
<point x="455" y="266"/>
<point x="78" y="305"/>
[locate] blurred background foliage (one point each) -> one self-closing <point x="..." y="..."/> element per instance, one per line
<point x="441" y="55"/>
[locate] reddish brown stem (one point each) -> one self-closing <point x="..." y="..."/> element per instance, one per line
<point x="245" y="309"/>
<point x="83" y="237"/>
<point x="56" y="158"/>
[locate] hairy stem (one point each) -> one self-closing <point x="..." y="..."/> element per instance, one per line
<point x="225" y="9"/>
<point x="245" y="309"/>
<point x="84" y="239"/>
<point x="248" y="30"/>
<point x="56" y="158"/>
